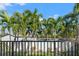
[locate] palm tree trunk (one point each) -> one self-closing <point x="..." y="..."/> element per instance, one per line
<point x="10" y="35"/>
<point x="3" y="32"/>
<point x="0" y="37"/>
<point x="18" y="35"/>
<point x="77" y="32"/>
<point x="15" y="37"/>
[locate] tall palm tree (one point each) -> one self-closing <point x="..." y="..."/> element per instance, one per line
<point x="70" y="23"/>
<point x="16" y="20"/>
<point x="76" y="8"/>
<point x="51" y="26"/>
<point x="36" y="21"/>
<point x="60" y="27"/>
<point x="32" y="20"/>
<point x="6" y="21"/>
<point x="76" y="11"/>
<point x="45" y="26"/>
<point x="26" y="22"/>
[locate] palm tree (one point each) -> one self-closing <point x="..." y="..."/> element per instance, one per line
<point x="16" y="20"/>
<point x="51" y="26"/>
<point x="76" y="12"/>
<point x="45" y="26"/>
<point x="36" y="21"/>
<point x="5" y="21"/>
<point x="70" y="23"/>
<point x="60" y="27"/>
<point x="32" y="20"/>
<point x="26" y="22"/>
<point x="76" y="8"/>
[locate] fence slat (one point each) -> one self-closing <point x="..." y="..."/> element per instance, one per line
<point x="44" y="49"/>
<point x="54" y="48"/>
<point x="12" y="48"/>
<point x="1" y="48"/>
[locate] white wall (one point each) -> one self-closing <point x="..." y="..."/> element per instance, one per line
<point x="7" y="38"/>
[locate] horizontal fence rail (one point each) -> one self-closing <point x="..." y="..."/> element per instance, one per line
<point x="39" y="48"/>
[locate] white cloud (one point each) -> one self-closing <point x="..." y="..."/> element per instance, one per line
<point x="3" y="5"/>
<point x="8" y="4"/>
<point x="56" y="16"/>
<point x="21" y="4"/>
<point x="40" y="19"/>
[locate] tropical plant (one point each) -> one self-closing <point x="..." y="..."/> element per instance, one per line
<point x="20" y="23"/>
<point x="5" y="21"/>
<point x="76" y="12"/>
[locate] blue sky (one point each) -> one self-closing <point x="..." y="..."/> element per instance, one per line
<point x="47" y="9"/>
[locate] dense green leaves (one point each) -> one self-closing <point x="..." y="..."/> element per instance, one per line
<point x="21" y="23"/>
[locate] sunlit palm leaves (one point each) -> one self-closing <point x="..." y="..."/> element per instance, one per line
<point x="20" y="23"/>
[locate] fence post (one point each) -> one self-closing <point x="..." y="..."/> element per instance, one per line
<point x="1" y="49"/>
<point x="12" y="49"/>
<point x="75" y="49"/>
<point x="54" y="48"/>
